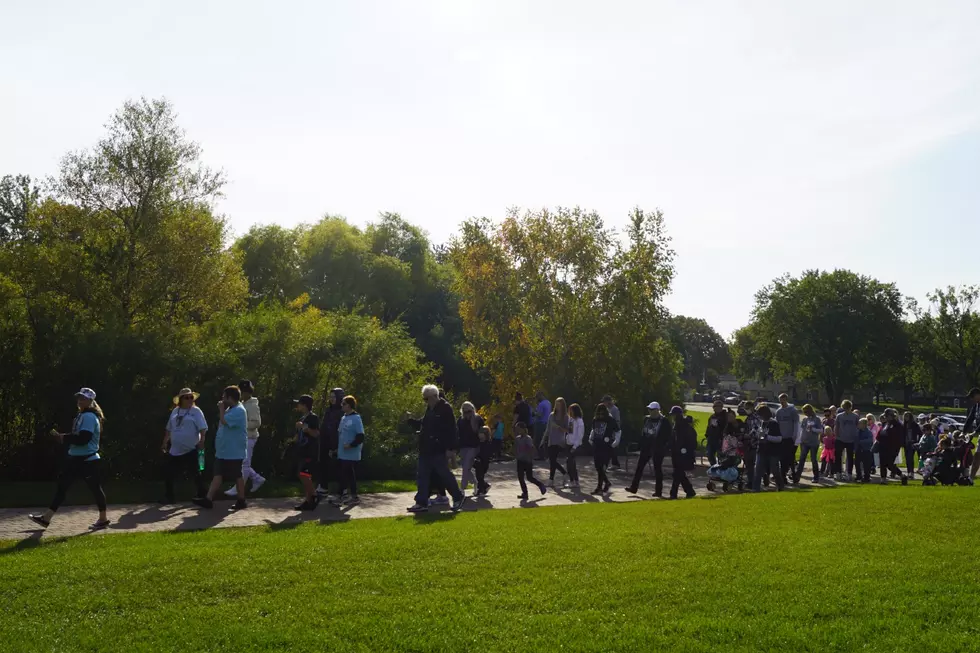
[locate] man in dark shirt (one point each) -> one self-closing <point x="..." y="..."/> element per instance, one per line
<point x="973" y="426"/>
<point x="437" y="442"/>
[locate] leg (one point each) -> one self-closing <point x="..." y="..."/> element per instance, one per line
<point x="712" y="445"/>
<point x="69" y="471"/>
<point x="757" y="469"/>
<point x="94" y="483"/>
<point x="775" y="468"/>
<point x="686" y="484"/>
<point x="466" y="456"/>
<point x="215" y="486"/>
<point x="813" y="462"/>
<point x="521" y="473"/>
<point x="675" y="483"/>
<point x="170" y="467"/>
<point x="200" y="487"/>
<point x="557" y="465"/>
<point x="910" y="458"/>
<point x="750" y="469"/>
<point x="441" y="467"/>
<point x="658" y="473"/>
<point x="530" y="477"/>
<point x="423" y="476"/>
<point x="572" y="466"/>
<point x="799" y="466"/>
<point x="641" y="463"/>
<point x="973" y="468"/>
<point x="849" y="448"/>
<point x="838" y="457"/>
<point x="552" y="462"/>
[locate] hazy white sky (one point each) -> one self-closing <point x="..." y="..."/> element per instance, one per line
<point x="840" y="134"/>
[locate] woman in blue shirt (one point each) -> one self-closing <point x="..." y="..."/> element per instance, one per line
<point x="82" y="460"/>
<point x="350" y="441"/>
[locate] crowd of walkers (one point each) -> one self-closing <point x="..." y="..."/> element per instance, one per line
<point x="763" y="445"/>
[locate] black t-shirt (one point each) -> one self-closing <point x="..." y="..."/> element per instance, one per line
<point x="522" y="413"/>
<point x="305" y="443"/>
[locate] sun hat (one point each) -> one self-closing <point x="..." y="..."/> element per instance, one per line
<point x="653" y="405"/>
<point x="88" y="393"/>
<point x="183" y="393"/>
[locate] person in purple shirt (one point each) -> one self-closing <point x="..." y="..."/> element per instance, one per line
<point x="542" y="413"/>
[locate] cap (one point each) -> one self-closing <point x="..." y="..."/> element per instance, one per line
<point x="246" y="386"/>
<point x="88" y="393"/>
<point x="653" y="405"/>
<point x="676" y="410"/>
<point x="306" y="400"/>
<point x="606" y="398"/>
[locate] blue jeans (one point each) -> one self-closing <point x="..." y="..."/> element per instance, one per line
<point x="434" y="463"/>
<point x="806" y="450"/>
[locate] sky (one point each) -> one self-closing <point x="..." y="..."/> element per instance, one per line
<point x="775" y="136"/>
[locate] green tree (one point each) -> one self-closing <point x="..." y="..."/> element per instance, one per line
<point x="19" y="196"/>
<point x="271" y="262"/>
<point x="749" y="358"/>
<point x="700" y="347"/>
<point x="955" y="328"/>
<point x="833" y="327"/>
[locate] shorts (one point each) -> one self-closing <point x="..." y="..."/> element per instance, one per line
<point x="228" y="470"/>
<point x="305" y="467"/>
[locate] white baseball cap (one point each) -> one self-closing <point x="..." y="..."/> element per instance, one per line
<point x="653" y="405"/>
<point x="88" y="393"/>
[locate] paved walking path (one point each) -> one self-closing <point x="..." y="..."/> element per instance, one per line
<point x="139" y="518"/>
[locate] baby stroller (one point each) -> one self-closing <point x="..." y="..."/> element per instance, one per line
<point x="728" y="470"/>
<point x="929" y="464"/>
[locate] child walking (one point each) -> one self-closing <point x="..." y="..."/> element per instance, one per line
<point x="576" y="435"/>
<point x="863" y="450"/>
<point x="829" y="448"/>
<point x="602" y="438"/>
<point x="524" y="451"/>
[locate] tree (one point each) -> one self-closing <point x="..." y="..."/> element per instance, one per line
<point x="550" y="301"/>
<point x="833" y="327"/>
<point x="749" y="359"/>
<point x="700" y="346"/>
<point x="955" y="328"/>
<point x="19" y="197"/>
<point x="271" y="262"/>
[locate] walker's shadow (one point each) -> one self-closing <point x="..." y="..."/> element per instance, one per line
<point x="576" y="497"/>
<point x="134" y="519"/>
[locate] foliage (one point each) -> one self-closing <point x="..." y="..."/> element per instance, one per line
<point x="551" y="301"/>
<point x="629" y="576"/>
<point x="701" y="348"/>
<point x="833" y="327"/>
<point x="749" y="359"/>
<point x="953" y="325"/>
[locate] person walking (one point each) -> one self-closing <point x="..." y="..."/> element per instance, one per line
<point x="715" y="430"/>
<point x="891" y="439"/>
<point x="183" y="439"/>
<point x="874" y="427"/>
<point x="522" y="412"/>
<point x="684" y="443"/>
<point x="912" y="434"/>
<point x="482" y="463"/>
<point x="437" y="442"/>
<point x="555" y="436"/>
<point x="350" y="442"/>
<point x="576" y="435"/>
<point x="602" y="436"/>
<point x="788" y="419"/>
<point x="328" y="466"/>
<point x="497" y="426"/>
<point x="542" y="413"/>
<point x="307" y="449"/>
<point x="845" y="434"/>
<point x="468" y="427"/>
<point x="971" y="426"/>
<point x="230" y="445"/>
<point x="751" y="428"/>
<point x="251" y="404"/>
<point x="616" y="415"/>
<point x="655" y="440"/>
<point x="811" y="430"/>
<point x="771" y="446"/>
<point x="82" y="459"/>
<point x="524" y="447"/>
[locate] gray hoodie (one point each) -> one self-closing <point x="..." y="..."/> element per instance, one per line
<point x="846" y="427"/>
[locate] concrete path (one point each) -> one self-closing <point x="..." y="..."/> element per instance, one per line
<point x="138" y="518"/>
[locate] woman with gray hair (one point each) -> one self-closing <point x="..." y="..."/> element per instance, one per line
<point x="437" y="441"/>
<point x="468" y="427"/>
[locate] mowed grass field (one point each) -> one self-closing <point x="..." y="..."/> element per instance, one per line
<point x="876" y="569"/>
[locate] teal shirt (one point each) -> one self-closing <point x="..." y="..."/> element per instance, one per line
<point x="350" y="426"/>
<point x="232" y="439"/>
<point x="498" y="432"/>
<point x="86" y="421"/>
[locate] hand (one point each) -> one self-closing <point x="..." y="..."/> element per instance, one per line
<point x="164" y="449"/>
<point x="200" y="443"/>
<point x="300" y="425"/>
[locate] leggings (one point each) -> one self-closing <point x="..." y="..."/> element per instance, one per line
<point x="525" y="470"/>
<point x="806" y="450"/>
<point x="601" y="460"/>
<point x="572" y="466"/>
<point x="348" y="477"/>
<point x="910" y="457"/>
<point x="553" y="453"/>
<point x="77" y="467"/>
<point x="480" y="467"/>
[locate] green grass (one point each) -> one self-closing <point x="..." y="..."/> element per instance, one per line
<point x="876" y="569"/>
<point x="949" y="410"/>
<point x="34" y="494"/>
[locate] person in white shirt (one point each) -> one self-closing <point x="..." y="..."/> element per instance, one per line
<point x="183" y="439"/>
<point x="574" y="439"/>
<point x="251" y="404"/>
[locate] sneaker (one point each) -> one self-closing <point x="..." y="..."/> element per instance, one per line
<point x="815" y="479"/>
<point x="884" y="480"/>
<point x="631" y="490"/>
<point x="306" y="506"/>
<point x="614" y="467"/>
<point x="690" y="495"/>
<point x="101" y="524"/>
<point x="905" y="479"/>
<point x="257" y="484"/>
<point x="233" y="492"/>
<point x="441" y="501"/>
<point x="564" y="482"/>
<point x="657" y="495"/>
<point x="204" y="502"/>
<point x="544" y="490"/>
<point x="850" y="479"/>
<point x="522" y="497"/>
<point x="239" y="505"/>
<point x="598" y="490"/>
<point x="458" y="505"/>
<point x="607" y="489"/>
<point x="418" y="508"/>
<point x="353" y="501"/>
<point x="320" y="490"/>
<point x="39" y="520"/>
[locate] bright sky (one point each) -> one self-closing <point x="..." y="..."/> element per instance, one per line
<point x="844" y="134"/>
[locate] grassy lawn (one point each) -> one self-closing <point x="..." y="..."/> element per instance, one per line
<point x="870" y="568"/>
<point x="34" y="494"/>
